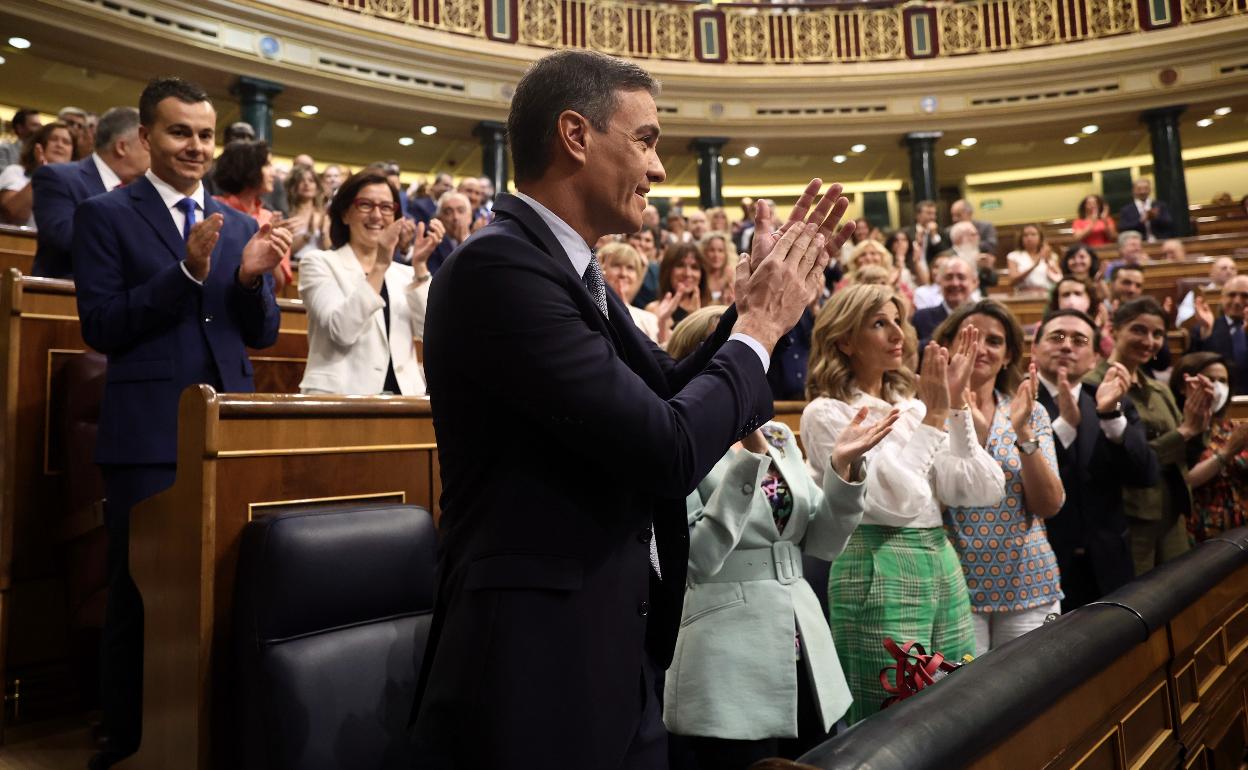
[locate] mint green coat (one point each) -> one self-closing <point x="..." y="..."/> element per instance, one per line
<point x="734" y="674"/>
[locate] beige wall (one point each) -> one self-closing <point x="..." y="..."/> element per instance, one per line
<point x="1031" y="201"/>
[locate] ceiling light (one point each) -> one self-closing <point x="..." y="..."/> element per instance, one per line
<point x="1205" y="122"/>
<point x="19" y="42"/>
<point x="733" y="161"/>
<point x="751" y="151"/>
<point x="1071" y="140"/>
<point x="428" y="130"/>
<point x="1" y="60"/>
<point x="282" y="123"/>
<point x="1091" y="128"/>
<point x="406" y="141"/>
<point x="952" y="151"/>
<point x="309" y="109"/>
<point x="858" y="148"/>
<point x="1222" y="111"/>
<point x="970" y="141"/>
<point x="839" y="158"/>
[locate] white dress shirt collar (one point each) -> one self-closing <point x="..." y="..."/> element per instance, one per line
<point x="573" y="245"/>
<point x="171" y="196"/>
<point x="107" y="175"/>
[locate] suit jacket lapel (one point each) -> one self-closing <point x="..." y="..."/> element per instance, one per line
<point x="152" y="208"/>
<point x="91" y="177"/>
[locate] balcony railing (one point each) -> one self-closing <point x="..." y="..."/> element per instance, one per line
<point x="743" y="33"/>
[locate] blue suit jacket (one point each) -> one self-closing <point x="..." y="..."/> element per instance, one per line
<point x="58" y="189"/>
<point x="160" y="330"/>
<point x="925" y="322"/>
<point x="1219" y="341"/>
<point x="1162" y="226"/>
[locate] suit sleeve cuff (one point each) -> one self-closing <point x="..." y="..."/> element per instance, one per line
<point x="754" y="345"/>
<point x="1065" y="432"/>
<point x="188" y="274"/>
<point x="1115" y="428"/>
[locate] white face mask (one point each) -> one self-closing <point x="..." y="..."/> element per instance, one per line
<point x="1078" y="302"/>
<point x="1221" y="392"/>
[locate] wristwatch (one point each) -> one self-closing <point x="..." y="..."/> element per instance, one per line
<point x="1112" y="414"/>
<point x="1028" y="447"/>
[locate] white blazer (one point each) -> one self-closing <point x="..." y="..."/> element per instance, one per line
<point x="348" y="349"/>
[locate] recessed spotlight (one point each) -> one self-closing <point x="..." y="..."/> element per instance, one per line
<point x="428" y="130"/>
<point x="283" y="123"/>
<point x="952" y="151"/>
<point x="751" y="151"/>
<point x="1091" y="128"/>
<point x="858" y="148"/>
<point x="1205" y="122"/>
<point x="1222" y="111"/>
<point x="1071" y="140"/>
<point x="406" y="141"/>
<point x="1" y="60"/>
<point x="19" y="42"/>
<point x="309" y="109"/>
<point x="733" y="161"/>
<point x="970" y="141"/>
<point x="839" y="158"/>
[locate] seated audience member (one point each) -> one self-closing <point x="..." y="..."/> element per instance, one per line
<point x="644" y="241"/>
<point x="25" y="123"/>
<point x="366" y="312"/>
<point x="965" y="240"/>
<point x="762" y="679"/>
<point x="52" y="143"/>
<point x="1156" y="515"/>
<point x="1219" y="475"/>
<point x="904" y="254"/>
<point x="308" y="222"/>
<point x="1101" y="448"/>
<point x="899" y="576"/>
<point x="1130" y="252"/>
<point x="455" y="213"/>
<point x="331" y="179"/>
<point x="676" y="229"/>
<point x="1145" y="214"/>
<point x="487" y="194"/>
<point x="58" y="188"/>
<point x="622" y="268"/>
<point x="958" y="283"/>
<point x="721" y="266"/>
<point x="866" y="252"/>
<point x="1094" y="226"/>
<point x="1033" y="266"/>
<point x="790" y="358"/>
<point x="743" y="233"/>
<point x="1011" y="575"/>
<point x="682" y="286"/>
<point x="244" y="176"/>
<point x="1172" y="249"/>
<point x="470" y="187"/>
<point x="929" y="295"/>
<point x="1083" y="295"/>
<point x="925" y="232"/>
<point x="1222" y="270"/>
<point x="425" y="208"/>
<point x="717" y="221"/>
<point x="394" y="175"/>
<point x="699" y="226"/>
<point x="1127" y="285"/>
<point x="1080" y="261"/>
<point x="962" y="211"/>
<point x="79" y="125"/>
<point x="862" y="232"/>
<point x="1227" y="335"/>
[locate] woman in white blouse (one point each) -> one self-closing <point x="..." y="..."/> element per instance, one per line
<point x="366" y="312"/>
<point x="899" y="576"/>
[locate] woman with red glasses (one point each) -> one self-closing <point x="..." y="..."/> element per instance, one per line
<point x="366" y="312"/>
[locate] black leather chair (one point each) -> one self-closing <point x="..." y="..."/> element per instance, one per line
<point x="332" y="610"/>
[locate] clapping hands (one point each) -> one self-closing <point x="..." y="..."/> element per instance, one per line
<point x="857" y="439"/>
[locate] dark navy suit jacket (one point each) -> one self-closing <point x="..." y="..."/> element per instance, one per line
<point x="1162" y="225"/>
<point x="160" y="330"/>
<point x="1219" y="341"/>
<point x="925" y="322"/>
<point x="58" y="189"/>
<point x="563" y="435"/>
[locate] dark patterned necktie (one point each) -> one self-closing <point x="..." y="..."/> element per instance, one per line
<point x="595" y="283"/>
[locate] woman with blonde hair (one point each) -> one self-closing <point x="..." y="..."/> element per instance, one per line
<point x="721" y="266"/>
<point x="622" y="269"/>
<point x="899" y="576"/>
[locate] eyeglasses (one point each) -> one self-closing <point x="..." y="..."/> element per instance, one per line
<point x="365" y="206"/>
<point x="1059" y="338"/>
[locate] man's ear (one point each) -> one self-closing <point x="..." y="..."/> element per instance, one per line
<point x="572" y="136"/>
<point x="145" y="137"/>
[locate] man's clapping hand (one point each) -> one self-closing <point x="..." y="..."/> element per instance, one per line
<point x="199" y="246"/>
<point x="262" y="253"/>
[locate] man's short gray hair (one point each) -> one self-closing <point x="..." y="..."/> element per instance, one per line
<point x="1127" y="235"/>
<point x="450" y="195"/>
<point x="117" y="123"/>
<point x="962" y="230"/>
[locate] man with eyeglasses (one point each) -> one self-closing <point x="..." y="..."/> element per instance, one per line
<point x="1101" y="446"/>
<point x="1228" y="335"/>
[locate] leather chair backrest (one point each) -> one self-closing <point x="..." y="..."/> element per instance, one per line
<point x="332" y="611"/>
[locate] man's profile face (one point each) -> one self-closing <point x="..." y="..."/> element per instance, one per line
<point x="180" y="141"/>
<point x="1128" y="284"/>
<point x="1235" y="297"/>
<point x="623" y="162"/>
<point x="1064" y="341"/>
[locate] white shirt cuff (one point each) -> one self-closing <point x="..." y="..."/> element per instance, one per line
<point x="1113" y="429"/>
<point x="756" y="346"/>
<point x="1065" y="432"/>
<point x="188" y="274"/>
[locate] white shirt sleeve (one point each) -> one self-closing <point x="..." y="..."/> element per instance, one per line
<point x="756" y="346"/>
<point x="1065" y="432"/>
<point x="13" y="178"/>
<point x="1115" y="428"/>
<point x="966" y="475"/>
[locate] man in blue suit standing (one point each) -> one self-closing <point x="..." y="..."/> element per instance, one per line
<point x="172" y="287"/>
<point x="118" y="160"/>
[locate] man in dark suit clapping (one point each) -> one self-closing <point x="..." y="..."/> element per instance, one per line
<point x="172" y="287"/>
<point x="568" y="441"/>
<point x="1101" y="446"/>
<point x="1228" y="335"/>
<point x="1145" y="214"/>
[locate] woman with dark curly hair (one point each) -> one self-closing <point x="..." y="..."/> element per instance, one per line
<point x="244" y="172"/>
<point x="1095" y="225"/>
<point x="53" y="143"/>
<point x="1080" y="261"/>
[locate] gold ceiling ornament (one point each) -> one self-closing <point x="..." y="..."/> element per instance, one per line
<point x="960" y="28"/>
<point x="539" y="22"/>
<point x="607" y="25"/>
<point x="673" y="33"/>
<point x="389" y="9"/>
<point x="1035" y="22"/>
<point x="464" y="16"/>
<point x="747" y="36"/>
<point x="1199" y="10"/>
<point x="814" y="37"/>
<point x="1111" y="17"/>
<point x="882" y="35"/>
